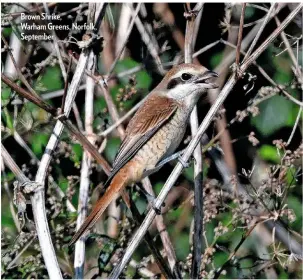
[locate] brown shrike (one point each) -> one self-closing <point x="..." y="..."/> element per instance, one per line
<point x="154" y="132"/>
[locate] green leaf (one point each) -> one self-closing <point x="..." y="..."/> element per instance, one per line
<point x="182" y="246"/>
<point x="5" y="92"/>
<point x="63" y="183"/>
<point x="216" y="59"/>
<point x="38" y="143"/>
<point x="158" y="187"/>
<point x="283" y="72"/>
<point x="77" y="151"/>
<point x="295" y="204"/>
<point x="34" y="111"/>
<point x="269" y="153"/>
<point x="16" y="30"/>
<point x="249" y="12"/>
<point x="220" y="258"/>
<point x="274" y="114"/>
<point x="189" y="173"/>
<point x="282" y="77"/>
<point x="7" y="31"/>
<point x="50" y="80"/>
<point x="142" y="78"/>
<point x="8" y="119"/>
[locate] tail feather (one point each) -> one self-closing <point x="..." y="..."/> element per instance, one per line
<point x="117" y="184"/>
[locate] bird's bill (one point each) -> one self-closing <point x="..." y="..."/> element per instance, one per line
<point x="206" y="79"/>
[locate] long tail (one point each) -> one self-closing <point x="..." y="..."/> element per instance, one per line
<point x="119" y="181"/>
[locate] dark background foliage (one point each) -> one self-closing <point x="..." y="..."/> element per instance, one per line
<point x="275" y="121"/>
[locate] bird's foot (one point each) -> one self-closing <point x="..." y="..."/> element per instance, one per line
<point x="156" y="208"/>
<point x="184" y="163"/>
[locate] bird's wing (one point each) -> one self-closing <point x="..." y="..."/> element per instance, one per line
<point x="153" y="114"/>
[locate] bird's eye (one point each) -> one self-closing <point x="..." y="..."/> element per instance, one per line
<point x="186" y="76"/>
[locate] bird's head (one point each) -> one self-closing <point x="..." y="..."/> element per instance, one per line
<point x="187" y="81"/>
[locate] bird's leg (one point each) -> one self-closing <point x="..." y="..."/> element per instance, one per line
<point x="161" y="163"/>
<point x="184" y="163"/>
<point x="150" y="198"/>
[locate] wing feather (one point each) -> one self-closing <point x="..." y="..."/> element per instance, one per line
<point x="153" y="114"/>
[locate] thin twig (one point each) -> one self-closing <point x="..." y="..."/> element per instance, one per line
<point x="206" y="48"/>
<point x="124" y="19"/>
<point x="268" y="78"/>
<point x="79" y="257"/>
<point x="240" y="35"/>
<point x="72" y="129"/>
<point x="29" y="242"/>
<point x="149" y="40"/>
<point x="20" y="75"/>
<point x="106" y="132"/>
<point x="166" y="241"/>
<point x="60" y="193"/>
<point x="264" y="22"/>
<point x="244" y="237"/>
<point x="298" y="72"/>
<point x="66" y="84"/>
<point x="130" y="28"/>
<point x="56" y="46"/>
<point x="111" y="107"/>
<point x="294" y="127"/>
<point x="277" y="31"/>
<point x="146" y="183"/>
<point x="198" y="168"/>
<point x="193" y="143"/>
<point x="10" y="163"/>
<point x="37" y="198"/>
<point x="11" y="205"/>
<point x="229" y="59"/>
<point x="46" y="96"/>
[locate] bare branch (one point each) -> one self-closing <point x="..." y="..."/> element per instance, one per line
<point x="130" y="28"/>
<point x="298" y="71"/>
<point x="240" y="35"/>
<point x="264" y="22"/>
<point x="37" y="198"/>
<point x="198" y="168"/>
<point x="194" y="142"/>
<point x="79" y="258"/>
<point x="56" y="46"/>
<point x="295" y="126"/>
<point x="149" y="39"/>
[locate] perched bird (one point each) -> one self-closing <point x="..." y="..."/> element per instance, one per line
<point x="154" y="132"/>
